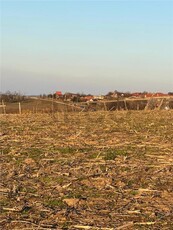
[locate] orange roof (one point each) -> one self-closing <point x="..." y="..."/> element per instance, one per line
<point x="59" y="93"/>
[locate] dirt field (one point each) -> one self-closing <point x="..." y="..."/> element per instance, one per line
<point x="88" y="170"/>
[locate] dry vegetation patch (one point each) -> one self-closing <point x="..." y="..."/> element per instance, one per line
<point x="91" y="170"/>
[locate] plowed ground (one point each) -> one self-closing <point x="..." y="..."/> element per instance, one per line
<point x="88" y="170"/>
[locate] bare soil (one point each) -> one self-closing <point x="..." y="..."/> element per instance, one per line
<point x="87" y="170"/>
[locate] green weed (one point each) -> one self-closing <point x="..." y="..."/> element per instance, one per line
<point x="111" y="154"/>
<point x="53" y="203"/>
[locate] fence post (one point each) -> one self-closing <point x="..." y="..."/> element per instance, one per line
<point x="52" y="105"/>
<point x="160" y="105"/>
<point x="4" y="107"/>
<point x="125" y="104"/>
<point x="20" y="110"/>
<point x="105" y="107"/>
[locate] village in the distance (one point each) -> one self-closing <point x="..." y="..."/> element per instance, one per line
<point x="112" y="95"/>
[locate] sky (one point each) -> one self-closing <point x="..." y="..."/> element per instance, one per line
<point x="86" y="46"/>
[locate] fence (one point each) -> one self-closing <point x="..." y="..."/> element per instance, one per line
<point x="51" y="106"/>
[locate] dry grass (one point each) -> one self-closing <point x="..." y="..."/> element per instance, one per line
<point x="93" y="170"/>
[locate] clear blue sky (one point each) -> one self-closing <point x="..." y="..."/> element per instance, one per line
<point x="86" y="46"/>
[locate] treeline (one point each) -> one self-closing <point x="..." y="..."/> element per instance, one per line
<point x="43" y="96"/>
<point x="12" y="97"/>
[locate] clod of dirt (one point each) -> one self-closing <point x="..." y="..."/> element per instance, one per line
<point x="29" y="161"/>
<point x="72" y="202"/>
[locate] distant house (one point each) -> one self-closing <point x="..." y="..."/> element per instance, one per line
<point x="136" y="94"/>
<point x="58" y="93"/>
<point x="156" y="95"/>
<point x="71" y="97"/>
<point x="148" y="95"/>
<point x="96" y="98"/>
<point x="160" y="94"/>
<point x="86" y="98"/>
<point x="89" y="98"/>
